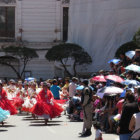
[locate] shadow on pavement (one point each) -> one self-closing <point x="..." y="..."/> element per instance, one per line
<point x="3" y="130"/>
<point x="8" y="126"/>
<point x="31" y="119"/>
<point x="44" y="125"/>
<point x="36" y="121"/>
<point x="28" y="117"/>
<point x="55" y="121"/>
<point x="22" y="114"/>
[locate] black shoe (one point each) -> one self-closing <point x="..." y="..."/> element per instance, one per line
<point x="80" y="133"/>
<point x="46" y="121"/>
<point x="86" y="134"/>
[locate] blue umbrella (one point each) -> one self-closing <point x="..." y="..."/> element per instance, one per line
<point x="131" y="82"/>
<point x="123" y="94"/>
<point x="80" y="88"/>
<point x="29" y="79"/>
<point x="115" y="61"/>
<point x="91" y="88"/>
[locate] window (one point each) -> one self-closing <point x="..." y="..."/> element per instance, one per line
<point x="65" y="23"/>
<point x="7" y="22"/>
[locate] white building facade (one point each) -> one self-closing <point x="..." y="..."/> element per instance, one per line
<point x="40" y="25"/>
<point x="101" y="26"/>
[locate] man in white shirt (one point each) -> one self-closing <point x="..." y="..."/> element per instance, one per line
<point x="72" y="87"/>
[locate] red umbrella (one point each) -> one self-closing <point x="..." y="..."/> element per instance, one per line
<point x="114" y="78"/>
<point x="99" y="78"/>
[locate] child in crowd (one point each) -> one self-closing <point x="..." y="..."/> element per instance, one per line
<point x="98" y="133"/>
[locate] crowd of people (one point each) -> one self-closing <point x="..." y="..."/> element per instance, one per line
<point x="110" y="99"/>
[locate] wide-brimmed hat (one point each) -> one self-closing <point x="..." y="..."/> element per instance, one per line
<point x="12" y="81"/>
<point x="137" y="50"/>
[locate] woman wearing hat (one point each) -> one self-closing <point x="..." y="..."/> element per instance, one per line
<point x="30" y="99"/>
<point x="46" y="107"/>
<point x="19" y="99"/>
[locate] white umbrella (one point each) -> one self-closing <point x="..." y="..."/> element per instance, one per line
<point x="133" y="67"/>
<point x="130" y="54"/>
<point x="108" y="91"/>
<point x="131" y="82"/>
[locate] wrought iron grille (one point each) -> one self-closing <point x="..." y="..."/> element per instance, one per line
<point x="65" y="1"/>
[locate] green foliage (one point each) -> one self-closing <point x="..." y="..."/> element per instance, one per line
<point x="66" y="50"/>
<point x="16" y="53"/>
<point x="20" y="51"/>
<point x="82" y="57"/>
<point x="132" y="45"/>
<point x="61" y="51"/>
<point x="9" y="59"/>
<point x="136" y="37"/>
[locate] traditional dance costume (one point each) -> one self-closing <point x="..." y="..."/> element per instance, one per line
<point x="18" y="100"/>
<point x="46" y="105"/>
<point x="4" y="114"/>
<point x="6" y="104"/>
<point x="29" y="101"/>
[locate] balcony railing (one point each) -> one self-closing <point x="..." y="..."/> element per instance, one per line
<point x="7" y="39"/>
<point x="8" y="1"/>
<point x="65" y="1"/>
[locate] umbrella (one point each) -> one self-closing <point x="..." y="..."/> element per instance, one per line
<point x="131" y="82"/>
<point x="123" y="94"/>
<point x="115" y="61"/>
<point x="29" y="79"/>
<point x="130" y="54"/>
<point x="133" y="67"/>
<point x="80" y="88"/>
<point x="99" y="78"/>
<point x="109" y="91"/>
<point x="114" y="78"/>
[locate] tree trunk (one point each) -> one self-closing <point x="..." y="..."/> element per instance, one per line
<point x="74" y="68"/>
<point x="25" y="63"/>
<point x="66" y="70"/>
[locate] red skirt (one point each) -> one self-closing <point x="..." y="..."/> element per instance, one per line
<point x="5" y="104"/>
<point x="41" y="108"/>
<point x="61" y="101"/>
<point x="17" y="102"/>
<point x="56" y="110"/>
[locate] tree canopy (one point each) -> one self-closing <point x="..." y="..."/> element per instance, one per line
<point x="68" y="50"/>
<point x="21" y="53"/>
<point x="136" y="37"/>
<point x="129" y="46"/>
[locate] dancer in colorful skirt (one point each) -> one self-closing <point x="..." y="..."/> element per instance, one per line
<point x="30" y="99"/>
<point x="19" y="99"/>
<point x="3" y="115"/>
<point x="6" y="104"/>
<point x="46" y="106"/>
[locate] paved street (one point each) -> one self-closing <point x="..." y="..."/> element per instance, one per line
<point x="23" y="127"/>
